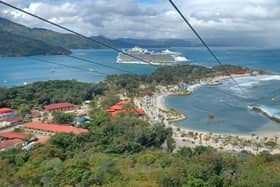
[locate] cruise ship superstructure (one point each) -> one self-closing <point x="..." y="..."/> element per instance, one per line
<point x="165" y="57"/>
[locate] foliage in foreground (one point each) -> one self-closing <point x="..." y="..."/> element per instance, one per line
<point x="54" y="165"/>
<point x="126" y="151"/>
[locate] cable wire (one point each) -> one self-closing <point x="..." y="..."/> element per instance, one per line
<point x="203" y="42"/>
<point x="74" y="32"/>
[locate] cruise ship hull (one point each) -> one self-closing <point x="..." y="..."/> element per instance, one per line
<point x="166" y="57"/>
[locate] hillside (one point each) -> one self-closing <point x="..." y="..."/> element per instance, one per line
<point x="125" y="150"/>
<point x="71" y="41"/>
<point x="15" y="45"/>
<point x="68" y="41"/>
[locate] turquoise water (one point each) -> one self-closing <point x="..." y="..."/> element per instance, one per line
<point x="20" y="70"/>
<point x="230" y="106"/>
<point x="226" y="102"/>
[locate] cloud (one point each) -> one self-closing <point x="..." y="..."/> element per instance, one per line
<point x="141" y="19"/>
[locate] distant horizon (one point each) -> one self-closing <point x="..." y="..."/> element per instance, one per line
<point x="212" y="41"/>
<point x="256" y="22"/>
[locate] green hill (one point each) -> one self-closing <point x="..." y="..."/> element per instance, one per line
<point x="15" y="45"/>
<point x="68" y="41"/>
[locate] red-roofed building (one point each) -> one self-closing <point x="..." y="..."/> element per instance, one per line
<point x="10" y="144"/>
<point x="140" y="111"/>
<point x="43" y="140"/>
<point x="13" y="135"/>
<point x="35" y="113"/>
<point x="7" y="113"/>
<point x="5" y="110"/>
<point x="120" y="108"/>
<point x="15" y="120"/>
<point x="53" y="128"/>
<point x="123" y="103"/>
<point x="59" y="107"/>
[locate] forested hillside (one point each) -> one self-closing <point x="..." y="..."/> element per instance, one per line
<point x="15" y="45"/>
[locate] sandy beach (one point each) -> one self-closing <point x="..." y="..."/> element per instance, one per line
<point x="156" y="109"/>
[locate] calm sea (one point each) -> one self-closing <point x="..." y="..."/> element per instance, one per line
<point x="227" y="103"/>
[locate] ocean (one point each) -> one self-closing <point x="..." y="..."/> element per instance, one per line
<point x="229" y="104"/>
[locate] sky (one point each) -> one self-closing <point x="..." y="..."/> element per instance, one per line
<point x="258" y="20"/>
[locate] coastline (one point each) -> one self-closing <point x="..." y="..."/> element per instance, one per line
<point x="254" y="143"/>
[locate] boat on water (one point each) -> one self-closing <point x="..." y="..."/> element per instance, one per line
<point x="165" y="57"/>
<point x="92" y="70"/>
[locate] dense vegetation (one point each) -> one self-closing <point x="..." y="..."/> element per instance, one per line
<point x="43" y="93"/>
<point x="167" y="76"/>
<point x="15" y="45"/>
<point x="126" y="151"/>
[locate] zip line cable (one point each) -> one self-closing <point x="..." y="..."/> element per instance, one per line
<point x="100" y="43"/>
<point x="203" y="42"/>
<point x="80" y="35"/>
<point x="74" y="32"/>
<point x="65" y="65"/>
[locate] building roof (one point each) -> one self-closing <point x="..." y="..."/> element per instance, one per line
<point x="139" y="111"/>
<point x="43" y="140"/>
<point x="58" y="106"/>
<point x="123" y="103"/>
<point x="15" y="120"/>
<point x="8" y="143"/>
<point x="5" y="110"/>
<point x="119" y="108"/>
<point x="116" y="107"/>
<point x="13" y="135"/>
<point x="55" y="128"/>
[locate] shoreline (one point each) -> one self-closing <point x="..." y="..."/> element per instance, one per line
<point x="254" y="143"/>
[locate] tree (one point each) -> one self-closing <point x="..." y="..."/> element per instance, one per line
<point x="63" y="118"/>
<point x="24" y="109"/>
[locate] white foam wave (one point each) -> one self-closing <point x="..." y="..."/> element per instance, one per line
<point x="247" y="83"/>
<point x="252" y="81"/>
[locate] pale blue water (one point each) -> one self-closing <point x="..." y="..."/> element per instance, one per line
<point x="227" y="103"/>
<point x="16" y="71"/>
<point x="20" y="70"/>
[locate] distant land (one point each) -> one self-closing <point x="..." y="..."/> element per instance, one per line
<point x="19" y="40"/>
<point x="15" y="45"/>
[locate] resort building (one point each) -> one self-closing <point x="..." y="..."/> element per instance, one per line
<point x="59" y="107"/>
<point x="6" y="113"/>
<point x="122" y="107"/>
<point x="12" y="143"/>
<point x="12" y="140"/>
<point x="51" y="129"/>
<point x="4" y="123"/>
<point x="43" y="140"/>
<point x="35" y="113"/>
<point x="13" y="135"/>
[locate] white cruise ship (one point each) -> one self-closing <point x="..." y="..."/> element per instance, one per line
<point x="165" y="57"/>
